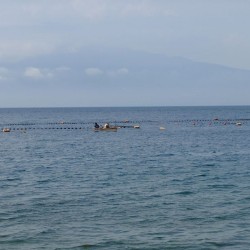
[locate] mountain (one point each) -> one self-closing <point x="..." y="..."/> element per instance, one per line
<point x="121" y="77"/>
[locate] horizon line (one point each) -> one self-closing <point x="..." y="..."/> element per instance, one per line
<point x="136" y="106"/>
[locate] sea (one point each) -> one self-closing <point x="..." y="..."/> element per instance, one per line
<point x="180" y="181"/>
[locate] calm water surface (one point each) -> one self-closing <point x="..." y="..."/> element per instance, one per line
<point x="186" y="187"/>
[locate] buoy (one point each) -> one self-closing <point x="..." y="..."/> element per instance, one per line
<point x="6" y="130"/>
<point x="136" y="126"/>
<point x="162" y="128"/>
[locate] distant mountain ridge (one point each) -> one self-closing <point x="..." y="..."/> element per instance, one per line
<point x="144" y="78"/>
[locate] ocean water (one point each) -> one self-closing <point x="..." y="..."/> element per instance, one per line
<point x="64" y="186"/>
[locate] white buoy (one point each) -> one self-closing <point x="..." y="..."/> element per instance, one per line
<point x="6" y="130"/>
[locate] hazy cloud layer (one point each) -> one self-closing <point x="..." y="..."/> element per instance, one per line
<point x="209" y="31"/>
<point x="78" y="10"/>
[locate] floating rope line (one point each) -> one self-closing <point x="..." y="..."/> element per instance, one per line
<point x="73" y="123"/>
<point x="121" y="124"/>
<point x="62" y="123"/>
<point x="20" y="128"/>
<point x="48" y="128"/>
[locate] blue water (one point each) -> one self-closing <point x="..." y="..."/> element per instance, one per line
<point x="64" y="186"/>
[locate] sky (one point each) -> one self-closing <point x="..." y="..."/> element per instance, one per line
<point x="206" y="31"/>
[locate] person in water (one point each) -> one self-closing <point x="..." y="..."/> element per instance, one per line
<point x="97" y="125"/>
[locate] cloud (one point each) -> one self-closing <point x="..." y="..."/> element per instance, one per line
<point x="62" y="69"/>
<point x="33" y="73"/>
<point x="37" y="73"/>
<point x="114" y="73"/>
<point x="93" y="71"/>
<point x="122" y="71"/>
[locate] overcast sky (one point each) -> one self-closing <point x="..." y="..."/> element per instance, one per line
<point x="213" y="31"/>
